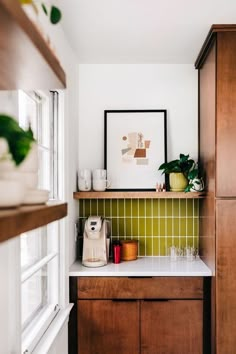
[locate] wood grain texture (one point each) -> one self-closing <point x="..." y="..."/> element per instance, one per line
<point x="207" y="158"/>
<point x="138" y="195"/>
<point x="226" y="113"/>
<point x="207" y="121"/>
<point x="26" y="61"/>
<point x="140" y="288"/>
<point x="106" y="326"/>
<point x="173" y="327"/>
<point x="15" y="221"/>
<point x="226" y="278"/>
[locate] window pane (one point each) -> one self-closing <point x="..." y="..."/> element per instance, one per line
<point x="45" y="129"/>
<point x="33" y="247"/>
<point x="45" y="169"/>
<point x="38" y="243"/>
<point x="39" y="291"/>
<point x="28" y="111"/>
<point x="34" y="295"/>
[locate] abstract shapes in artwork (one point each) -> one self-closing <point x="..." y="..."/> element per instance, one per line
<point x="124" y="151"/>
<point x="136" y="148"/>
<point x="142" y="162"/>
<point x="140" y="153"/>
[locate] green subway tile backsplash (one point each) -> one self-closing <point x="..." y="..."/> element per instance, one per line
<point x="156" y="223"/>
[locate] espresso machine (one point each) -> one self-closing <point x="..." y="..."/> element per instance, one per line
<point x="95" y="242"/>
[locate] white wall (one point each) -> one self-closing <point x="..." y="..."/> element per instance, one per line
<point x="171" y="87"/>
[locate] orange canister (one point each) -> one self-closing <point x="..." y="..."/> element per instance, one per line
<point x="129" y="250"/>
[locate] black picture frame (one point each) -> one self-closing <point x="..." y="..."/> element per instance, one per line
<point x="129" y="148"/>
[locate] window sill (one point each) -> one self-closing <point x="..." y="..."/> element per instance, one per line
<point x="51" y="334"/>
<point x="16" y="221"/>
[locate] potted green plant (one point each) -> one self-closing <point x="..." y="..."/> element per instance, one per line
<point x="183" y="174"/>
<point x="16" y="149"/>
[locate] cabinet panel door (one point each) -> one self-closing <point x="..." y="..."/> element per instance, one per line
<point x="107" y="327"/>
<point x="172" y="327"/>
<point x="226" y="112"/>
<point x="226" y="277"/>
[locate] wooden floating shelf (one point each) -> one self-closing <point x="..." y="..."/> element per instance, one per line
<point x="138" y="195"/>
<point x="15" y="221"/>
<point x="26" y="60"/>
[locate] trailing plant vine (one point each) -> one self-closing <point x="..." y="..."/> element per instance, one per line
<point x="52" y="11"/>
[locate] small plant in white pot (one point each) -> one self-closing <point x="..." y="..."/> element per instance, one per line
<point x="183" y="174"/>
<point x="15" y="146"/>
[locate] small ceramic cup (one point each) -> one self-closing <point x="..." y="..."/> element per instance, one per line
<point x="101" y="184"/>
<point x="99" y="174"/>
<point x="84" y="180"/>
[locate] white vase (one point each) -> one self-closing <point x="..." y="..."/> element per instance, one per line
<point x="198" y="185"/>
<point x="30" y="163"/>
<point x="12" y="193"/>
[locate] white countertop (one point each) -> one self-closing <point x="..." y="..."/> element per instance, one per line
<point x="144" y="266"/>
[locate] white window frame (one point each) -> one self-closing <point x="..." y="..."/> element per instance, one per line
<point x="41" y="322"/>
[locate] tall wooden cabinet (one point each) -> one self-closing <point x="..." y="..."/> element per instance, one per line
<point x="217" y="147"/>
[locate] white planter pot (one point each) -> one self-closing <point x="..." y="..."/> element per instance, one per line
<point x="30" y="163"/>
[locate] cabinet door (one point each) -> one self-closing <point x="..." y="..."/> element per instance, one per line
<point x="172" y="327"/>
<point x="226" y="112"/>
<point x="226" y="277"/>
<point x="107" y="327"/>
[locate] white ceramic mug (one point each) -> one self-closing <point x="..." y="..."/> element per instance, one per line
<point x="84" y="181"/>
<point x="84" y="185"/>
<point x="101" y="184"/>
<point x="99" y="174"/>
<point x="84" y="173"/>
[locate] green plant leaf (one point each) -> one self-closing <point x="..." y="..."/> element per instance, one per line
<point x="188" y="188"/>
<point x="183" y="157"/>
<point x="19" y="140"/>
<point x="44" y="8"/>
<point x="55" y="15"/>
<point x="193" y="174"/>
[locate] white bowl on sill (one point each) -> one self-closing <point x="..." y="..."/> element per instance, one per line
<point x="7" y="166"/>
<point x="36" y="196"/>
<point x="12" y="193"/>
<point x="29" y="179"/>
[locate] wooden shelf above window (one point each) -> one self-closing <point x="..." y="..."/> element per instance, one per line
<point x="138" y="195"/>
<point x="15" y="221"/>
<point x="26" y="60"/>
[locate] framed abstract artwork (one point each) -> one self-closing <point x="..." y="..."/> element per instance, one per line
<point x="134" y="147"/>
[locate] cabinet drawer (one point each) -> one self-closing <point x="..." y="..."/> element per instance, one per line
<point x="140" y="288"/>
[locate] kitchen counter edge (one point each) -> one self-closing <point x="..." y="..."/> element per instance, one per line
<point x="144" y="267"/>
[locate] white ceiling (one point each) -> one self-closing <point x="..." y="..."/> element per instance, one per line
<point x="141" y="31"/>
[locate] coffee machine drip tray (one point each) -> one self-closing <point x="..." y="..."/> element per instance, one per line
<point x="93" y="262"/>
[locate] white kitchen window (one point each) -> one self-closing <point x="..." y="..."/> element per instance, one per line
<point x="40" y="278"/>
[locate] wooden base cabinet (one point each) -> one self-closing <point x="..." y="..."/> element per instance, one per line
<point x="162" y="315"/>
<point x="173" y="327"/>
<point x="107" y="326"/>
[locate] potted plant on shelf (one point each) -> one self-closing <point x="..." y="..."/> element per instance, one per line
<point x="15" y="145"/>
<point x="184" y="174"/>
